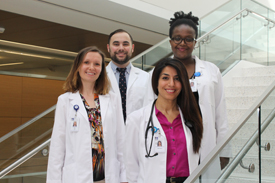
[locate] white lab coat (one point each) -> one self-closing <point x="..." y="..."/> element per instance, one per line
<point x="70" y="157"/>
<point x="214" y="115"/>
<point x="136" y="87"/>
<point x="144" y="170"/>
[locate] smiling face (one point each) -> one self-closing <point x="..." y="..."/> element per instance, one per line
<point x="183" y="51"/>
<point x="90" y="68"/>
<point x="169" y="86"/>
<point x="120" y="49"/>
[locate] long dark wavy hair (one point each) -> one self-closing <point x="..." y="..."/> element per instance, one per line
<point x="185" y="100"/>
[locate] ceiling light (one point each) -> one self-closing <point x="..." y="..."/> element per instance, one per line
<point x="16" y="63"/>
<point x="2" y="29"/>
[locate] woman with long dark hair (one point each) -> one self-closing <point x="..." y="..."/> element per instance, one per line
<point x="174" y="120"/>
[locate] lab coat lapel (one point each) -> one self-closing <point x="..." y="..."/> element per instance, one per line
<point x="199" y="68"/>
<point x="132" y="77"/>
<point x="75" y="99"/>
<point x="158" y="125"/>
<point x="112" y="78"/>
<point x="104" y="104"/>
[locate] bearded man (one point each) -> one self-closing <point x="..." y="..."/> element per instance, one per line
<point x="127" y="81"/>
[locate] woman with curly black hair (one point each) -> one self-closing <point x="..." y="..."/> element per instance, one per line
<point x="207" y="86"/>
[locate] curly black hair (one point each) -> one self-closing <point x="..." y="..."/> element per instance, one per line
<point x="181" y="18"/>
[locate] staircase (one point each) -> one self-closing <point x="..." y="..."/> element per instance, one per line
<point x="243" y="85"/>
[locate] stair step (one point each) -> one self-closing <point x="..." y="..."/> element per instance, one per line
<point x="249" y="91"/>
<point x="249" y="178"/>
<point x="238" y="143"/>
<point x="246" y="102"/>
<point x="234" y="115"/>
<point x="259" y="71"/>
<point x="240" y="102"/>
<point x="253" y="81"/>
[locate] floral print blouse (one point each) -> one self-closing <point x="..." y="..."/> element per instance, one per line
<point x="98" y="154"/>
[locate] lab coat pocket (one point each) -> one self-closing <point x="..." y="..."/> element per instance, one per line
<point x="69" y="174"/>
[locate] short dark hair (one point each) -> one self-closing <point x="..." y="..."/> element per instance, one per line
<point x="185" y="100"/>
<point x="73" y="82"/>
<point x="119" y="31"/>
<point x="181" y="18"/>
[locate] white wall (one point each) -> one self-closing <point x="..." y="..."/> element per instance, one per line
<point x="95" y="15"/>
<point x="268" y="3"/>
<point x="199" y="8"/>
<point x="146" y="20"/>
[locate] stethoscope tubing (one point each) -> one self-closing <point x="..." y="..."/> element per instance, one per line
<point x="152" y="127"/>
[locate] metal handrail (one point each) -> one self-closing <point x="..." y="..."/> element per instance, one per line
<point x="37" y="50"/>
<point x="149" y="49"/>
<point x="221" y="25"/>
<point x="219" y="147"/>
<point x="24" y="158"/>
<point x="234" y="163"/>
<point x="20" y="74"/>
<point x="236" y="15"/>
<point x="200" y="39"/>
<point x="39" y="116"/>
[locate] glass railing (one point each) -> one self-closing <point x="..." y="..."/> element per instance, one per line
<point x="31" y="168"/>
<point x="223" y="45"/>
<point x="250" y="38"/>
<point x="268" y="141"/>
<point x="250" y="149"/>
<point x="147" y="59"/>
<point x="25" y="138"/>
<point x="35" y="61"/>
<point x="224" y="12"/>
<point x="244" y="37"/>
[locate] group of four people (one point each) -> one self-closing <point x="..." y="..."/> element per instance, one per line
<point x="170" y="128"/>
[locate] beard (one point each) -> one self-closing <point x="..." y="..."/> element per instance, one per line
<point x="120" y="62"/>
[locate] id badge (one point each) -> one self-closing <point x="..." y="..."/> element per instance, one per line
<point x="74" y="124"/>
<point x="193" y="84"/>
<point x="159" y="144"/>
